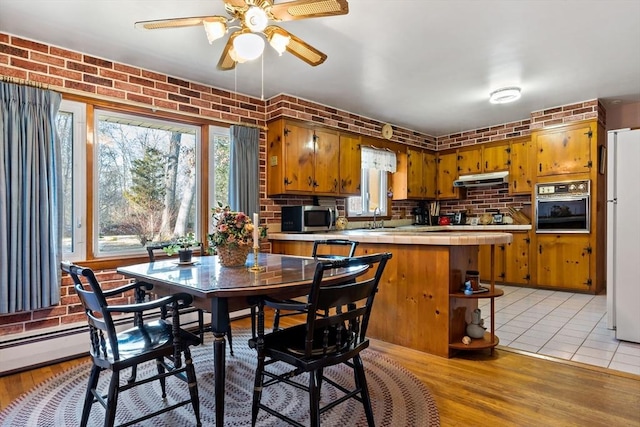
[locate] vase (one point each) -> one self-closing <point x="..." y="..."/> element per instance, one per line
<point x="233" y="256"/>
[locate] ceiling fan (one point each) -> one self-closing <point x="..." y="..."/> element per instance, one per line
<point x="250" y="18"/>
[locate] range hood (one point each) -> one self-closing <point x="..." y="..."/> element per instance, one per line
<point x="482" y="179"/>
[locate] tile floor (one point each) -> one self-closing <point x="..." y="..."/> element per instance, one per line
<point x="561" y="324"/>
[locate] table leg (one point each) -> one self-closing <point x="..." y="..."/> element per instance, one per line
<point x="219" y="327"/>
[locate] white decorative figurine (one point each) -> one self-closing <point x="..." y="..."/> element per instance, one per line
<point x="476" y="328"/>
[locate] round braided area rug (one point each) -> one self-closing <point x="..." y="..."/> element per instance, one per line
<point x="398" y="398"/>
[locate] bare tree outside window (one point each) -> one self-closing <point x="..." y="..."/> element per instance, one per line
<point x="147" y="176"/>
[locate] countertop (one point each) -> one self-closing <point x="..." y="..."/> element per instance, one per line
<point x="449" y="235"/>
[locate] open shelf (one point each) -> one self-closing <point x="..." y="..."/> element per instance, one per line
<point x="476" y="343"/>
<point x="496" y="293"/>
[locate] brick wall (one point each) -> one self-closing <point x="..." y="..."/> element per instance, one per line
<point x="69" y="311"/>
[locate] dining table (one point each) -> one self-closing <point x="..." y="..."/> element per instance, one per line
<point x="222" y="290"/>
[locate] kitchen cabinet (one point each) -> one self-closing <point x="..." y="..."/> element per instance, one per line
<point x="447" y="173"/>
<point x="302" y="159"/>
<point x="520" y="167"/>
<point x="564" y="261"/>
<point x="415" y="177"/>
<point x="511" y="261"/>
<point x="469" y="161"/>
<point x="350" y="165"/>
<point x="492" y="157"/>
<point x="564" y="150"/>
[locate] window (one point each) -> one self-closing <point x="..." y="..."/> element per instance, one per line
<point x="220" y="152"/>
<point x="146" y="182"/>
<point x="373" y="195"/>
<point x="146" y="176"/>
<point x="71" y="125"/>
<point x="376" y="165"/>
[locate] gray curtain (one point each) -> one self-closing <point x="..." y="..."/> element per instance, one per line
<point x="30" y="199"/>
<point x="244" y="176"/>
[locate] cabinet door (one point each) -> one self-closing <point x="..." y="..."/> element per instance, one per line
<point x="516" y="259"/>
<point x="350" y="165"/>
<point x="566" y="150"/>
<point x="495" y="158"/>
<point x="447" y="173"/>
<point x="520" y="169"/>
<point x="275" y="158"/>
<point x="563" y="261"/>
<point x="327" y="157"/>
<point x="415" y="185"/>
<point x="484" y="263"/>
<point x="469" y="161"/>
<point x="429" y="173"/>
<point x="299" y="158"/>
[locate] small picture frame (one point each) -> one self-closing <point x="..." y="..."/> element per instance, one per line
<point x="602" y="159"/>
<point x="474" y="221"/>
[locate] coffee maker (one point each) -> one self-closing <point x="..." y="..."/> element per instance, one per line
<point x="419" y="214"/>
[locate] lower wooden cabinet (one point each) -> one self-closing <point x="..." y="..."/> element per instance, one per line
<point x="512" y="261"/>
<point x="564" y="261"/>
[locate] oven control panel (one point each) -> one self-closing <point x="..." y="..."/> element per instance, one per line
<point x="574" y="188"/>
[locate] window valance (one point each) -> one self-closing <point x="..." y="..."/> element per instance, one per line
<point x="380" y="159"/>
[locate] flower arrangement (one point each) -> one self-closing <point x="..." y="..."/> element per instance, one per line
<point x="232" y="228"/>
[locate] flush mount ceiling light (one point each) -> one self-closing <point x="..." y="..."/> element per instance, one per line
<point x="504" y="95"/>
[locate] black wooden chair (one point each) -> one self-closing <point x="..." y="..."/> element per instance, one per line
<point x="201" y="326"/>
<point x="325" y="249"/>
<point x="321" y="341"/>
<point x="160" y="341"/>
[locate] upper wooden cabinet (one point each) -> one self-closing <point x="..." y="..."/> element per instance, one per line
<point x="350" y="165"/>
<point x="302" y="159"/>
<point x="491" y="157"/>
<point x="564" y="150"/>
<point x="415" y="176"/>
<point x="520" y="168"/>
<point x="447" y="173"/>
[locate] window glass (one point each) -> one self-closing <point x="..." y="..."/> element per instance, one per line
<point x="221" y="152"/>
<point x="373" y="195"/>
<point x="71" y="127"/>
<point x="146" y="182"/>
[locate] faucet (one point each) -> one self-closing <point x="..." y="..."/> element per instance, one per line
<point x="376" y="212"/>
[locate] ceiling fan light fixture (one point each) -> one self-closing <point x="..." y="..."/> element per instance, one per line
<point x="248" y="46"/>
<point x="215" y="28"/>
<point x="256" y="19"/>
<point x="279" y="42"/>
<point x="504" y="95"/>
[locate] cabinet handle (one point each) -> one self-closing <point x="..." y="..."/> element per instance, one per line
<point x="286" y="181"/>
<point x="309" y="181"/>
<point x="478" y="165"/>
<point x="486" y="165"/>
<point x="540" y="167"/>
<point x="540" y="248"/>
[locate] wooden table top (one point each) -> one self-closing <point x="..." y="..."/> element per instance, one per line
<point x="207" y="278"/>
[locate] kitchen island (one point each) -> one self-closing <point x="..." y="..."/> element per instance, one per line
<point x="419" y="304"/>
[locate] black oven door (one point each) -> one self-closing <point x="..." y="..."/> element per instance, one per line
<point x="563" y="214"/>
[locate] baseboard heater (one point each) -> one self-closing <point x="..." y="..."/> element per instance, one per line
<point x="34" y="351"/>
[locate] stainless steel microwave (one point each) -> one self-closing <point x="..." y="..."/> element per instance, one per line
<point x="304" y="219"/>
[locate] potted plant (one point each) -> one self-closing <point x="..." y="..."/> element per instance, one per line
<point x="183" y="247"/>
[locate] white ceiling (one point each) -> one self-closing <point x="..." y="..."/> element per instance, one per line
<point x="426" y="65"/>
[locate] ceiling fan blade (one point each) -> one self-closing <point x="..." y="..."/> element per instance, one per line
<point x="301" y="9"/>
<point x="235" y="3"/>
<point x="297" y="47"/>
<point x="174" y="22"/>
<point x="226" y="62"/>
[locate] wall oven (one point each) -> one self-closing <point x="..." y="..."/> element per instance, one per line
<point x="563" y="207"/>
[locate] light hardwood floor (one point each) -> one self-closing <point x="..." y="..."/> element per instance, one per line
<point x="509" y="388"/>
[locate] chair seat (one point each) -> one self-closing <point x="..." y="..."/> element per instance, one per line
<point x="143" y="339"/>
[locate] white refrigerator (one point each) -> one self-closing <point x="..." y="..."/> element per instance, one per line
<point x="623" y="234"/>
